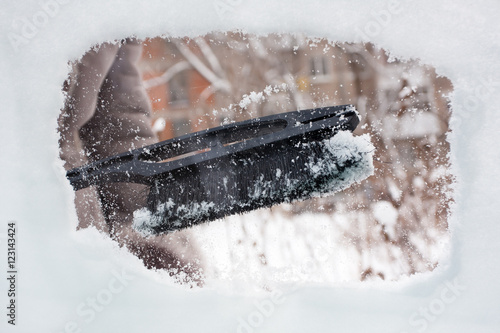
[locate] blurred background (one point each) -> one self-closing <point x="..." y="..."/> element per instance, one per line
<point x="392" y="224"/>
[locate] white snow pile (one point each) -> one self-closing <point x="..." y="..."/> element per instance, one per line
<point x="386" y="215"/>
<point x="69" y="281"/>
<point x="346" y="160"/>
<point x="146" y="221"/>
<point x="256" y="97"/>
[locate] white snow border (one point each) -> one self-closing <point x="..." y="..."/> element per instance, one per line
<point x="60" y="268"/>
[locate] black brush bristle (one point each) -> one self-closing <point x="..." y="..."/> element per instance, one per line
<point x="257" y="178"/>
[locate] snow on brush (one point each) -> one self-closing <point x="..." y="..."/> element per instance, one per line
<point x="69" y="281"/>
<point x="322" y="168"/>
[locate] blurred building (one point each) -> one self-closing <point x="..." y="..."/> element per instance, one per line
<point x="203" y="82"/>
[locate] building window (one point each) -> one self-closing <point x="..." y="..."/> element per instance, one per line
<point x="319" y="66"/>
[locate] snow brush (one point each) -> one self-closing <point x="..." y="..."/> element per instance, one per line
<point x="239" y="167"/>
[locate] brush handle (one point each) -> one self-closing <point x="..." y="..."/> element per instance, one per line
<point x="161" y="159"/>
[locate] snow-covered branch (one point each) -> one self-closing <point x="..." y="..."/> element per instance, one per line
<point x="165" y="77"/>
<point x="207" y="73"/>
